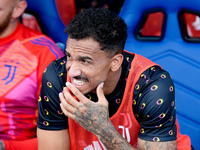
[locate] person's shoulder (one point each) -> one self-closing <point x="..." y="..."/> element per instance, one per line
<point x="58" y="65"/>
<point x="155" y="71"/>
<point x="55" y="71"/>
<point x="32" y="34"/>
<point x="28" y="31"/>
<point x="40" y="44"/>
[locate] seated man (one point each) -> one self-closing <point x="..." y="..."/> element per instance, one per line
<point x="24" y="55"/>
<point x="113" y="99"/>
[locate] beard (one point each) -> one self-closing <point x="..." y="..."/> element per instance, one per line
<point x="5" y="23"/>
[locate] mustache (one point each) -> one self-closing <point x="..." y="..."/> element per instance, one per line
<point x="81" y="78"/>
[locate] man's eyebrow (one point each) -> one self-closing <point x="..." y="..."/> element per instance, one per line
<point x="67" y="52"/>
<point x="85" y="57"/>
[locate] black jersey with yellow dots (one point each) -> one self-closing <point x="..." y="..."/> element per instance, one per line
<point x="153" y="107"/>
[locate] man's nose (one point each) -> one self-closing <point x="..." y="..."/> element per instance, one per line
<point x="73" y="69"/>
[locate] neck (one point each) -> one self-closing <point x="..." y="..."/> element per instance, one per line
<point x="112" y="81"/>
<point x="10" y="28"/>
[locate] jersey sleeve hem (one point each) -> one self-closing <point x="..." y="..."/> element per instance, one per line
<point x="157" y="138"/>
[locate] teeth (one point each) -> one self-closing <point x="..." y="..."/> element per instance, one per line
<point x="78" y="82"/>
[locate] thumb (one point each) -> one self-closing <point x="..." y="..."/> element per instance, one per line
<point x="100" y="94"/>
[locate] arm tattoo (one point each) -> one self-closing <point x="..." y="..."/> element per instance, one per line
<point x="92" y="118"/>
<point x="96" y="120"/>
<point x="113" y="140"/>
<point x="2" y="146"/>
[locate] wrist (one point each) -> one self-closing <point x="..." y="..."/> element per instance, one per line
<point x="110" y="136"/>
<point x="112" y="140"/>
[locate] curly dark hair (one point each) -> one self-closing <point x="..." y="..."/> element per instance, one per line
<point x="104" y="26"/>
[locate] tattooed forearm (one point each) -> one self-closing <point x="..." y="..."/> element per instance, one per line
<point x="92" y="118"/>
<point x="148" y="145"/>
<point x="96" y="120"/>
<point x="113" y="140"/>
<point x="2" y="146"/>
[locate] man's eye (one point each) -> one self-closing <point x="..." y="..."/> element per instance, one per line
<point x="85" y="61"/>
<point x="68" y="55"/>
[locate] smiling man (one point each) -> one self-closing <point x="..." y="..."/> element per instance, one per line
<point x="102" y="97"/>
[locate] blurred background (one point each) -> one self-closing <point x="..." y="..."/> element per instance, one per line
<point x="166" y="32"/>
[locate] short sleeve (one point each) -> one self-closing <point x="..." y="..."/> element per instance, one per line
<point x="50" y="116"/>
<point x="154" y="105"/>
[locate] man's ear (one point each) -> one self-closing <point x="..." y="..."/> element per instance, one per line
<point x="116" y="62"/>
<point x="19" y="9"/>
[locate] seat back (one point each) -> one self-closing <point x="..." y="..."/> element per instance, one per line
<point x="52" y="16"/>
<point x="180" y="58"/>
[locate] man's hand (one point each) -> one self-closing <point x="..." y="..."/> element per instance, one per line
<point x="2" y="146"/>
<point x="92" y="116"/>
